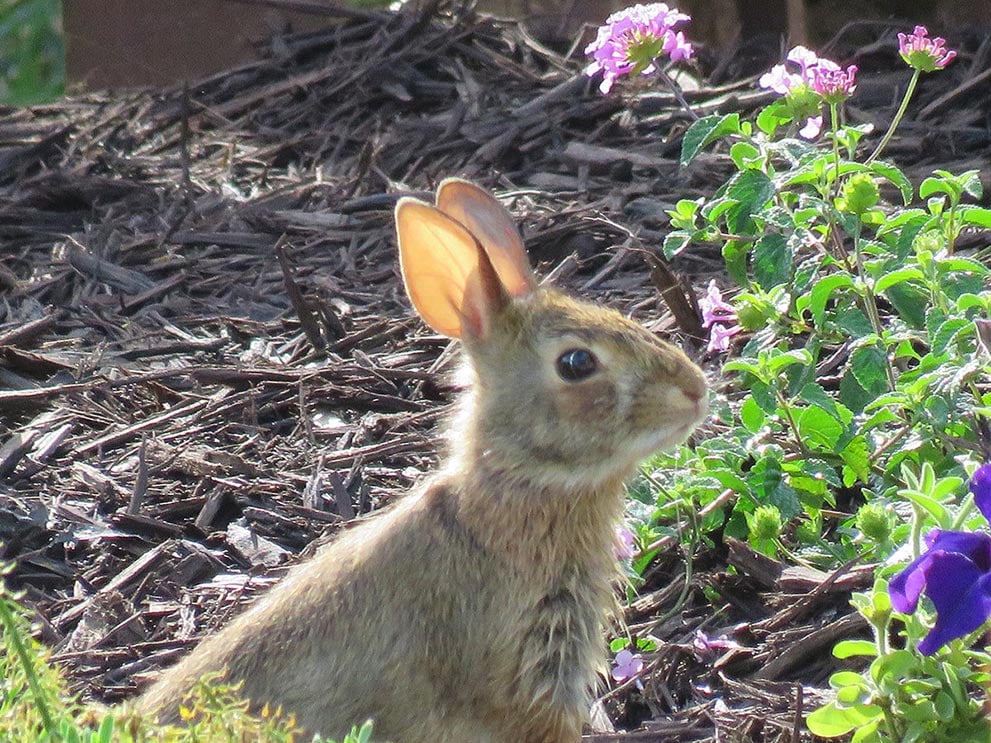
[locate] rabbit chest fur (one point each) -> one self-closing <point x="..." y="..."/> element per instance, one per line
<point x="473" y="610"/>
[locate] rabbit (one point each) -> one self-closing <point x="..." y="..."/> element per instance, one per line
<point x="474" y="609"/>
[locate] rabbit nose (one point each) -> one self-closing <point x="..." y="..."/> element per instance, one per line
<point x="695" y="388"/>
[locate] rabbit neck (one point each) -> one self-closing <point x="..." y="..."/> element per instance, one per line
<point x="533" y="524"/>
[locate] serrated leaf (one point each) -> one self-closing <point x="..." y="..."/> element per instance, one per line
<point x="894" y="176"/>
<point x="976" y="215"/>
<point x="773" y="261"/>
<point x="818" y="429"/>
<point x="751" y="190"/>
<point x="856" y="456"/>
<point x="706" y="131"/>
<point x="824" y="290"/>
<point x="909" y="273"/>
<point x="868" y="364"/>
<point x="735" y="256"/>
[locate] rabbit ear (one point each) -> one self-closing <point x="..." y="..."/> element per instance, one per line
<point x="447" y="275"/>
<point x="494" y="228"/>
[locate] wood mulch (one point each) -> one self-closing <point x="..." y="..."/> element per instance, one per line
<point x="207" y="364"/>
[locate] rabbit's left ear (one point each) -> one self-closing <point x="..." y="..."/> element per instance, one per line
<point x="494" y="228"/>
<point x="448" y="276"/>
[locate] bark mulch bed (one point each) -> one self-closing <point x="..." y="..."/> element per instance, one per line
<point x="207" y="364"/>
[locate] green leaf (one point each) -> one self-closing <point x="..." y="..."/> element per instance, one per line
<point x="751" y="190"/>
<point x="856" y="456"/>
<point x="705" y="131"/>
<point x="772" y="261"/>
<point x="824" y="290"/>
<point x="832" y="721"/>
<point x="847" y="678"/>
<point x="818" y="429"/>
<point x="781" y="361"/>
<point x="909" y="273"/>
<point x="894" y="176"/>
<point x="976" y="215"/>
<point x="744" y="155"/>
<point x="773" y="116"/>
<point x="735" y="256"/>
<point x="868" y="364"/>
<point x="853" y="648"/>
<point x="770" y="488"/>
<point x="751" y="415"/>
<point x="910" y="301"/>
<point x="929" y="504"/>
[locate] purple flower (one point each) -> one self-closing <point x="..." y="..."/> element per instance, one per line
<point x="626" y="543"/>
<point x="708" y="648"/>
<point x="922" y="53"/>
<point x="980" y="486"/>
<point x="626" y="665"/>
<point x="954" y="572"/>
<point x="719" y="317"/>
<point x="633" y="39"/>
<point x="835" y="86"/>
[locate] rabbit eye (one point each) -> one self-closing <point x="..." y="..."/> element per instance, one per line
<point x="576" y="364"/>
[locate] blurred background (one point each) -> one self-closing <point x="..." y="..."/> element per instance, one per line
<point x="50" y="46"/>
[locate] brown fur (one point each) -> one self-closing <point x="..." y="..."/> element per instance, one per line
<point x="473" y="610"/>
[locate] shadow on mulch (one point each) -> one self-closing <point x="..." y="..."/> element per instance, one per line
<point x="207" y="365"/>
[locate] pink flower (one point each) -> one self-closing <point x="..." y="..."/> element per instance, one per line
<point x="812" y="128"/>
<point x="835" y="86"/>
<point x="780" y="80"/>
<point x="719" y="317"/>
<point x="708" y="648"/>
<point x="923" y="53"/>
<point x="633" y="39"/>
<point x="719" y="337"/>
<point x="822" y="75"/>
<point x="714" y="308"/>
<point x="677" y="47"/>
<point x="626" y="665"/>
<point x="626" y="543"/>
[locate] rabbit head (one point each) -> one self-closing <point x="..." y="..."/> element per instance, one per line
<point x="565" y="394"/>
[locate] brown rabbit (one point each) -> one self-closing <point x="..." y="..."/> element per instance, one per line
<point x="473" y="611"/>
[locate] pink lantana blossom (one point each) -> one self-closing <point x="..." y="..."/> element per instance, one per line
<point x="922" y="53"/>
<point x="719" y="317"/>
<point x="835" y="86"/>
<point x="796" y="84"/>
<point x="633" y="39"/>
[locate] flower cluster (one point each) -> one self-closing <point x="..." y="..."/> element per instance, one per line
<point x="822" y="76"/>
<point x="954" y="572"/>
<point x="922" y="53"/>
<point x="719" y="317"/>
<point x="633" y="39"/>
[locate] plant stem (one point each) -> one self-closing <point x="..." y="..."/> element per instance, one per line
<point x="909" y="91"/>
<point x="834" y="122"/>
<point x="870" y="307"/>
<point x="676" y="89"/>
<point x="12" y="631"/>
<point x="786" y="409"/>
